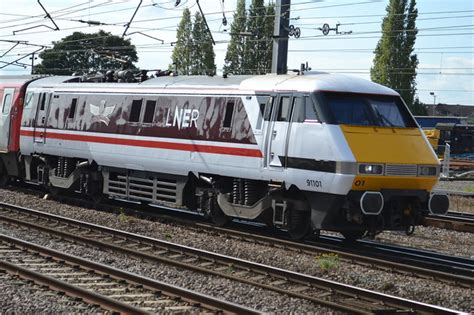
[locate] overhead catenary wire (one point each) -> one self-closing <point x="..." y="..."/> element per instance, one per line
<point x="165" y="46"/>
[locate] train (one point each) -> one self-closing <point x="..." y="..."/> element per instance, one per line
<point x="300" y="152"/>
<point x="455" y="131"/>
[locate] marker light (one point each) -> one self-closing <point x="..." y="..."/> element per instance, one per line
<point x="424" y="170"/>
<point x="371" y="169"/>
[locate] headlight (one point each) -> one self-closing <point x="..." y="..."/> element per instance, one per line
<point x="371" y="169"/>
<point x="424" y="170"/>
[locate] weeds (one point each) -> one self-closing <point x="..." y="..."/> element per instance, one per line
<point x="328" y="261"/>
<point x="123" y="218"/>
<point x="388" y="286"/>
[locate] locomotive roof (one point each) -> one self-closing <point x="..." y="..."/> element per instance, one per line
<point x="16" y="79"/>
<point x="310" y="81"/>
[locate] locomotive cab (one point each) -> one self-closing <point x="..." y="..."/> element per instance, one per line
<point x="394" y="166"/>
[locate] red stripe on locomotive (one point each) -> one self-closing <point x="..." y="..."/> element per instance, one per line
<point x="150" y="144"/>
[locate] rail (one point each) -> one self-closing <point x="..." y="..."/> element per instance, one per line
<point x="95" y="283"/>
<point x="457" y="221"/>
<point x="324" y="292"/>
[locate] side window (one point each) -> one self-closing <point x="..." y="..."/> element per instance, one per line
<point x="268" y="110"/>
<point x="149" y="112"/>
<point x="72" y="109"/>
<point x="229" y="113"/>
<point x="284" y="109"/>
<point x="303" y="110"/>
<point x="136" y="110"/>
<point x="7" y="100"/>
<point x="29" y="99"/>
<point x="260" y="117"/>
<point x="298" y="109"/>
<point x="42" y="101"/>
<point x="262" y="104"/>
<point x="310" y="111"/>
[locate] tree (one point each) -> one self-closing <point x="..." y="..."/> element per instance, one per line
<point x="267" y="44"/>
<point x="235" y="50"/>
<point x="418" y="108"/>
<point x="82" y="52"/>
<point x="470" y="119"/>
<point x="254" y="51"/>
<point x="202" y="55"/>
<point x="394" y="62"/>
<point x="181" y="56"/>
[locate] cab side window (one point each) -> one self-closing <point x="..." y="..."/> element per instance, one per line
<point x="284" y="109"/>
<point x="263" y="102"/>
<point x="303" y="110"/>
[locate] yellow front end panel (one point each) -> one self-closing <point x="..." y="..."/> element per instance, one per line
<point x="390" y="146"/>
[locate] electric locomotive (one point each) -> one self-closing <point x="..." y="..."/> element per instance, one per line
<point x="301" y="152"/>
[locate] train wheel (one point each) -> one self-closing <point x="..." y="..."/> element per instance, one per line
<point x="95" y="195"/>
<point x="352" y="236"/>
<point x="215" y="213"/>
<point x="299" y="224"/>
<point x="96" y="199"/>
<point x="54" y="191"/>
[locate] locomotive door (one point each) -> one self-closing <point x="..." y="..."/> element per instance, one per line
<point x="5" y="104"/>
<point x="42" y="110"/>
<point x="277" y="144"/>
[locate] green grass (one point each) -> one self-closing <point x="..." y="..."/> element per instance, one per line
<point x="469" y="189"/>
<point x="328" y="261"/>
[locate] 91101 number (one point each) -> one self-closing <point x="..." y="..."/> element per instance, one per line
<point x="314" y="183"/>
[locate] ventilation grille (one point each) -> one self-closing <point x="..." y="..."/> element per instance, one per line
<point x="150" y="189"/>
<point x="401" y="170"/>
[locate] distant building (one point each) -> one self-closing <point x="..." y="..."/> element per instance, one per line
<point x="449" y="110"/>
<point x="429" y="122"/>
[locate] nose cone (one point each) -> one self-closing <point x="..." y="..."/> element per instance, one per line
<point x="401" y="150"/>
<point x="389" y="145"/>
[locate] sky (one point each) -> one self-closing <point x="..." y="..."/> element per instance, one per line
<point x="444" y="45"/>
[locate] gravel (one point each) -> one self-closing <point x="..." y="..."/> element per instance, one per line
<point x="265" y="301"/>
<point x="456" y="185"/>
<point x="22" y="297"/>
<point x="439" y="240"/>
<point x="457" y="203"/>
<point x="392" y="283"/>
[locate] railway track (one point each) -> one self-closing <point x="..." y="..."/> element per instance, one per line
<point x="402" y="259"/>
<point x="456" y="193"/>
<point x="457" y="221"/>
<point x="113" y="289"/>
<point x="320" y="291"/>
<point x="424" y="264"/>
